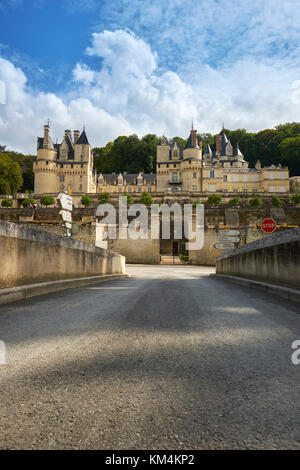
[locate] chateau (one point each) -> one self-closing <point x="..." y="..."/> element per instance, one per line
<point x="69" y="166"/>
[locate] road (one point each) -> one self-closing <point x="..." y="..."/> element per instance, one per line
<point x="169" y="359"/>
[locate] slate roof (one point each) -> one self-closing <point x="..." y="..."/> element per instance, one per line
<point x="83" y="140"/>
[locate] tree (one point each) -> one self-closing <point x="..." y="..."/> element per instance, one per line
<point x="28" y="201"/>
<point x="290" y="152"/>
<point x="146" y="199"/>
<point x="10" y="175"/>
<point x="6" y="202"/>
<point x="129" y="199"/>
<point x="235" y="201"/>
<point x="276" y="201"/>
<point x="86" y="200"/>
<point x="255" y="201"/>
<point x="47" y="201"/>
<point x="214" y="199"/>
<point x="295" y="198"/>
<point x="104" y="198"/>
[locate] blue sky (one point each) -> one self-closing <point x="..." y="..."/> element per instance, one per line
<point x="139" y="66"/>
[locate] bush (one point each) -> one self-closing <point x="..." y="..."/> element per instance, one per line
<point x="104" y="198"/>
<point x="27" y="201"/>
<point x="235" y="201"/>
<point x="146" y="199"/>
<point x="276" y="201"/>
<point x="255" y="201"/>
<point x="86" y="200"/>
<point x="129" y="198"/>
<point x="295" y="198"/>
<point x="47" y="201"/>
<point x="6" y="202"/>
<point x="214" y="199"/>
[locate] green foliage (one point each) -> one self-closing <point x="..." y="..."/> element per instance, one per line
<point x="290" y="152"/>
<point x="214" y="199"/>
<point x="47" y="200"/>
<point x="129" y="154"/>
<point x="295" y="198"/>
<point x="235" y="201"/>
<point x="104" y="198"/>
<point x="180" y="141"/>
<point x="130" y="199"/>
<point x="6" y="202"/>
<point x="255" y="201"/>
<point x="10" y="175"/>
<point x="27" y="201"/>
<point x="276" y="201"/>
<point x="86" y="200"/>
<point x="146" y="199"/>
<point x="26" y="164"/>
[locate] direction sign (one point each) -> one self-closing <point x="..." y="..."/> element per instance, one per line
<point x="229" y="239"/>
<point x="66" y="201"/>
<point x="67" y="216"/>
<point x="231" y="233"/>
<point x="268" y="225"/>
<point x="224" y="246"/>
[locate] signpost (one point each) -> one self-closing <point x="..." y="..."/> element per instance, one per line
<point x="224" y="246"/>
<point x="268" y="225"/>
<point x="66" y="212"/>
<point x="227" y="239"/>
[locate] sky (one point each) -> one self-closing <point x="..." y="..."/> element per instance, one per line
<point x="146" y="66"/>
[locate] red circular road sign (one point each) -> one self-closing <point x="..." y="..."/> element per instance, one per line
<point x="268" y="225"/>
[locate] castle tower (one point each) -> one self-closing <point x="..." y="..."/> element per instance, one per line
<point x="45" y="173"/>
<point x="193" y="149"/>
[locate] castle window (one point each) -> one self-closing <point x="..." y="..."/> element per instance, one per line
<point x="281" y="176"/>
<point x="245" y="190"/>
<point x="272" y="189"/>
<point x="235" y="190"/>
<point x="194" y="175"/>
<point x="212" y="188"/>
<point x="235" y="177"/>
<point x="225" y="179"/>
<point x="80" y="178"/>
<point x="139" y="190"/>
<point x="81" y="166"/>
<point x="281" y="189"/>
<point x="82" y="158"/>
<point x="159" y="166"/>
<point x="149" y="190"/>
<point x="255" y="190"/>
<point x="47" y="163"/>
<point x="195" y="188"/>
<point x="61" y="166"/>
<point x="72" y="166"/>
<point x="129" y="190"/>
<point x="212" y="174"/>
<point x="271" y="176"/>
<point x="80" y="187"/>
<point x="245" y="178"/>
<point x="61" y="179"/>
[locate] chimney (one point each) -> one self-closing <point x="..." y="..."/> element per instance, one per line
<point x="46" y="136"/>
<point x="219" y="143"/>
<point x="76" y="136"/>
<point x="194" y="138"/>
<point x="68" y="132"/>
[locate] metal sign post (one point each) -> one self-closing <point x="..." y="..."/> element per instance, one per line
<point x="66" y="212"/>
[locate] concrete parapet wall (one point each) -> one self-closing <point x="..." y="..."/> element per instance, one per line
<point x="275" y="258"/>
<point x="31" y="256"/>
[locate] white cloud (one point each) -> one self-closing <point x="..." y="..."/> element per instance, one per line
<point x="129" y="93"/>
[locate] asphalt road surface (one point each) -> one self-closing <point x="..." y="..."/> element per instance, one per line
<point x="169" y="359"/>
